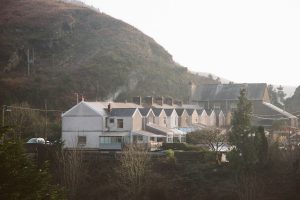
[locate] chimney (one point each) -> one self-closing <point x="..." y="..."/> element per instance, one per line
<point x="168" y="101"/>
<point x="159" y="100"/>
<point x="108" y="108"/>
<point x="177" y="102"/>
<point x="137" y="100"/>
<point x="148" y="100"/>
<point x="192" y="90"/>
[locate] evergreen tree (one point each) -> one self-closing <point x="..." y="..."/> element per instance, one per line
<point x="251" y="145"/>
<point x="20" y="178"/>
<point x="261" y="144"/>
<point x="241" y="135"/>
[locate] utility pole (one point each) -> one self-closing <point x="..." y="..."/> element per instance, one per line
<point x="76" y="97"/>
<point x="3" y="112"/>
<point x="29" y="61"/>
<point x="46" y="116"/>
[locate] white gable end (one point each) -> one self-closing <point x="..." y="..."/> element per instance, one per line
<point x="83" y="109"/>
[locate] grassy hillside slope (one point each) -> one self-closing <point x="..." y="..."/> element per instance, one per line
<point x="78" y="50"/>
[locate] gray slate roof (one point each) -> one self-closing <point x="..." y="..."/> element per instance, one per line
<point x="190" y="111"/>
<point x="144" y="111"/>
<point x="122" y="112"/>
<point x="168" y="111"/>
<point x="216" y="92"/>
<point x="200" y="111"/>
<point x="157" y="111"/>
<point x="179" y="111"/>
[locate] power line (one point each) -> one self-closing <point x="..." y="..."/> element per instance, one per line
<point x="34" y="109"/>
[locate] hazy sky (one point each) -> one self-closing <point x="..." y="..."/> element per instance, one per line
<point x="243" y="41"/>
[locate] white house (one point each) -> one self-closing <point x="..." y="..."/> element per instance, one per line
<point x="203" y="118"/>
<point x="100" y="125"/>
<point x="172" y="118"/>
<point x="212" y="118"/>
<point x="160" y="117"/>
<point x="83" y="124"/>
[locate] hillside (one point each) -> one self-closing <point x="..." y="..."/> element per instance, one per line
<point x="79" y="50"/>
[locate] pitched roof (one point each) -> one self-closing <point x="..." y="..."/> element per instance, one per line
<point x="169" y="111"/>
<point x="122" y="112"/>
<point x="215" y="92"/>
<point x="190" y="111"/>
<point x="218" y="112"/>
<point x="144" y="111"/>
<point x="165" y="106"/>
<point x="200" y="111"/>
<point x="279" y="110"/>
<point x="209" y="112"/>
<point x="179" y="111"/>
<point x="104" y="104"/>
<point x="85" y="109"/>
<point x="191" y="106"/>
<point x="157" y="111"/>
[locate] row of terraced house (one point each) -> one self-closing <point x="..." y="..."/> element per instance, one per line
<point x="112" y="125"/>
<point x="152" y="121"/>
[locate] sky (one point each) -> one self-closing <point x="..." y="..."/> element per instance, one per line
<point x="243" y="41"/>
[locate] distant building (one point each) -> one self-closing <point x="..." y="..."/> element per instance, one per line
<point x="226" y="96"/>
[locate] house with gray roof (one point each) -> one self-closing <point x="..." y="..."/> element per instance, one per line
<point x="102" y="125"/>
<point x="220" y="118"/>
<point x="203" y="118"/>
<point x="172" y="118"/>
<point x="226" y="96"/>
<point x="160" y="117"/>
<point x="193" y="116"/>
<point x="148" y="116"/>
<point x="183" y="117"/>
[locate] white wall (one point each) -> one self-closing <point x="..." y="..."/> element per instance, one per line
<point x="70" y="139"/>
<point x="127" y="124"/>
<point x="82" y="123"/>
<point x="172" y="121"/>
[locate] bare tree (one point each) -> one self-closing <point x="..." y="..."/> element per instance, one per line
<point x="27" y="122"/>
<point x="134" y="166"/>
<point x="249" y="187"/>
<point x="71" y="169"/>
<point x="215" y="139"/>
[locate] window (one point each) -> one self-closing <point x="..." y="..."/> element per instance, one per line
<point x="120" y="123"/>
<point x="165" y="120"/>
<point x="106" y="122"/>
<point x="81" y="140"/>
<point x="111" y="120"/>
<point x="116" y="139"/>
<point x="105" y="140"/>
<point x="140" y="138"/>
<point x="110" y="140"/>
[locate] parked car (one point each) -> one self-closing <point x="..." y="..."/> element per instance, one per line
<point x="36" y="141"/>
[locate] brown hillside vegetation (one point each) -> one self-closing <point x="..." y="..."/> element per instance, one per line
<point x="77" y="49"/>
